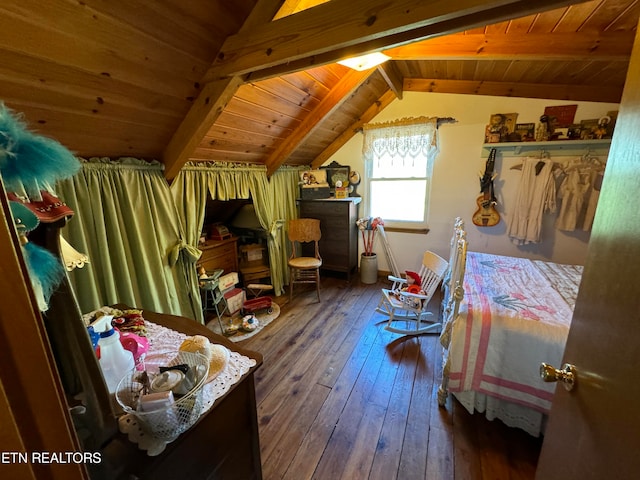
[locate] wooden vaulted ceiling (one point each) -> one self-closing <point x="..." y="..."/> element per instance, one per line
<point x="256" y="80"/>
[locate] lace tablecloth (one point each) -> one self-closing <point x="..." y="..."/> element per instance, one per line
<point x="163" y="340"/>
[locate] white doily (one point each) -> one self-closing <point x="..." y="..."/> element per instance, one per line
<point x="164" y="340"/>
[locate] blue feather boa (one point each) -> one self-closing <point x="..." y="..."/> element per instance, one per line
<point x="29" y="161"/>
<point x="45" y="267"/>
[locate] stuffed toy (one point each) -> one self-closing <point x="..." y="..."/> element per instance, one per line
<point x="414" y="282"/>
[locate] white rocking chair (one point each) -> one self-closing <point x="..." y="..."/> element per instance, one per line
<point x="403" y="307"/>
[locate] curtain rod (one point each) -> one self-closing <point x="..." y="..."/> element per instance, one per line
<point x="443" y="120"/>
<point x="410" y="121"/>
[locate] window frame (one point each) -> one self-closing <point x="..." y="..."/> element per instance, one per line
<point x="399" y="225"/>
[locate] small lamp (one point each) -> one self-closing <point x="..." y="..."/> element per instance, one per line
<point x="71" y="257"/>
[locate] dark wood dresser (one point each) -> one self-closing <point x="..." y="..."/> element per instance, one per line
<point x="339" y="243"/>
<point x="219" y="254"/>
<point x="223" y="444"/>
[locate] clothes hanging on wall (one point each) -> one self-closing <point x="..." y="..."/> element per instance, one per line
<point x="536" y="195"/>
<point x="579" y="193"/>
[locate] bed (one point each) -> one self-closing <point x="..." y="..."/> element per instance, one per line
<point x="503" y="317"/>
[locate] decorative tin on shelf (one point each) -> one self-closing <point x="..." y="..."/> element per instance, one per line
<point x="342" y="192"/>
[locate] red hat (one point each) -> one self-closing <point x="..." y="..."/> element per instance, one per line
<point x="50" y="209"/>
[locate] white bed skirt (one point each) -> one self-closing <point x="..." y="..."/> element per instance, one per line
<point x="511" y="414"/>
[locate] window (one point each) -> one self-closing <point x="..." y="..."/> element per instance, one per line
<point x="398" y="160"/>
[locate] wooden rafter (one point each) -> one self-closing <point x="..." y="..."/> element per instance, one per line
<point x="379" y="105"/>
<point x="340" y="28"/>
<point x="210" y="103"/>
<point x="510" y="89"/>
<point x="393" y="77"/>
<point x="336" y="97"/>
<point x="610" y="46"/>
<point x="202" y="115"/>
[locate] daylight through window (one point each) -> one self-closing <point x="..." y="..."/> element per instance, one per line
<point x="398" y="160"/>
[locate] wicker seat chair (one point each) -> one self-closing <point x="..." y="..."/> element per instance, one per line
<point x="304" y="269"/>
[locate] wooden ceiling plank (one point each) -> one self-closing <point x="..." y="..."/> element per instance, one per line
<point x="211" y="101"/>
<point x="393" y="77"/>
<point x="245" y="110"/>
<point x="221" y="136"/>
<point x="202" y="155"/>
<point x="202" y="115"/>
<point x="546" y="21"/>
<point x="602" y="93"/>
<point x="576" y="17"/>
<point x="521" y="25"/>
<point x="558" y="46"/>
<point x="172" y="22"/>
<point x="107" y="49"/>
<point x="359" y="25"/>
<point x="289" y="93"/>
<point x="383" y="102"/>
<point x="626" y="19"/>
<point x="41" y="74"/>
<point x="253" y="93"/>
<point x="307" y="84"/>
<point x="77" y="103"/>
<point x="497" y="28"/>
<point x="232" y="120"/>
<point x="338" y="95"/>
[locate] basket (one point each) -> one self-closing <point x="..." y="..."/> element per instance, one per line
<point x="168" y="422"/>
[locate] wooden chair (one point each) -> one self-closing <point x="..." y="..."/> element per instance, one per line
<point x="402" y="306"/>
<point x="304" y="269"/>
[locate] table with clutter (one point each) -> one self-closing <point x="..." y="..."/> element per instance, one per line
<point x="225" y="436"/>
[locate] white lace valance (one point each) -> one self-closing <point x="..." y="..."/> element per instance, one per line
<point x="406" y="139"/>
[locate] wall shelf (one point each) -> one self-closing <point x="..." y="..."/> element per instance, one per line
<point x="557" y="147"/>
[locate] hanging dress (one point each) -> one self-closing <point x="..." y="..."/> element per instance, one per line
<point x="536" y="195"/>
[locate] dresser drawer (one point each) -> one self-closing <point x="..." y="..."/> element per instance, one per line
<point x="220" y="255"/>
<point x="324" y="209"/>
<point x="339" y="242"/>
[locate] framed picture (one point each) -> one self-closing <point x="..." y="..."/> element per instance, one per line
<point x="574" y="131"/>
<point x="337" y="173"/>
<point x="526" y="132"/>
<point x="588" y="128"/>
<point x="313" y="177"/>
<point x="500" y="126"/>
<point x="561" y="115"/>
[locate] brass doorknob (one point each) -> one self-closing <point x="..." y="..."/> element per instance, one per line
<point x="566" y="375"/>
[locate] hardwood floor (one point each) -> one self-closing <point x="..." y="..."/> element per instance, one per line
<point x="339" y="397"/>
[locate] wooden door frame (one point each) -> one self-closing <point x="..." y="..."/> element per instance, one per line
<point x="33" y="408"/>
<point x="591" y="417"/>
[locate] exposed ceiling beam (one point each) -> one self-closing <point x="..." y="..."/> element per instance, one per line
<point x="379" y="105"/>
<point x="339" y="94"/>
<point x="340" y="28"/>
<point x="202" y="115"/>
<point x="601" y="93"/>
<point x="588" y="46"/>
<point x="393" y="77"/>
<point x="210" y="102"/>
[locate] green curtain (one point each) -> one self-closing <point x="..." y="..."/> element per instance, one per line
<point x="274" y="202"/>
<point x="283" y="191"/>
<point x="126" y="221"/>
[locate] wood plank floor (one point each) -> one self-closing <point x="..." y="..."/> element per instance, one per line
<point x="339" y="397"/>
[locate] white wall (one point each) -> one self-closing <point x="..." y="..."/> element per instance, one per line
<point x="455" y="178"/>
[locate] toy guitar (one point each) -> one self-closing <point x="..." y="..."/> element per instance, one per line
<point x="486" y="215"/>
